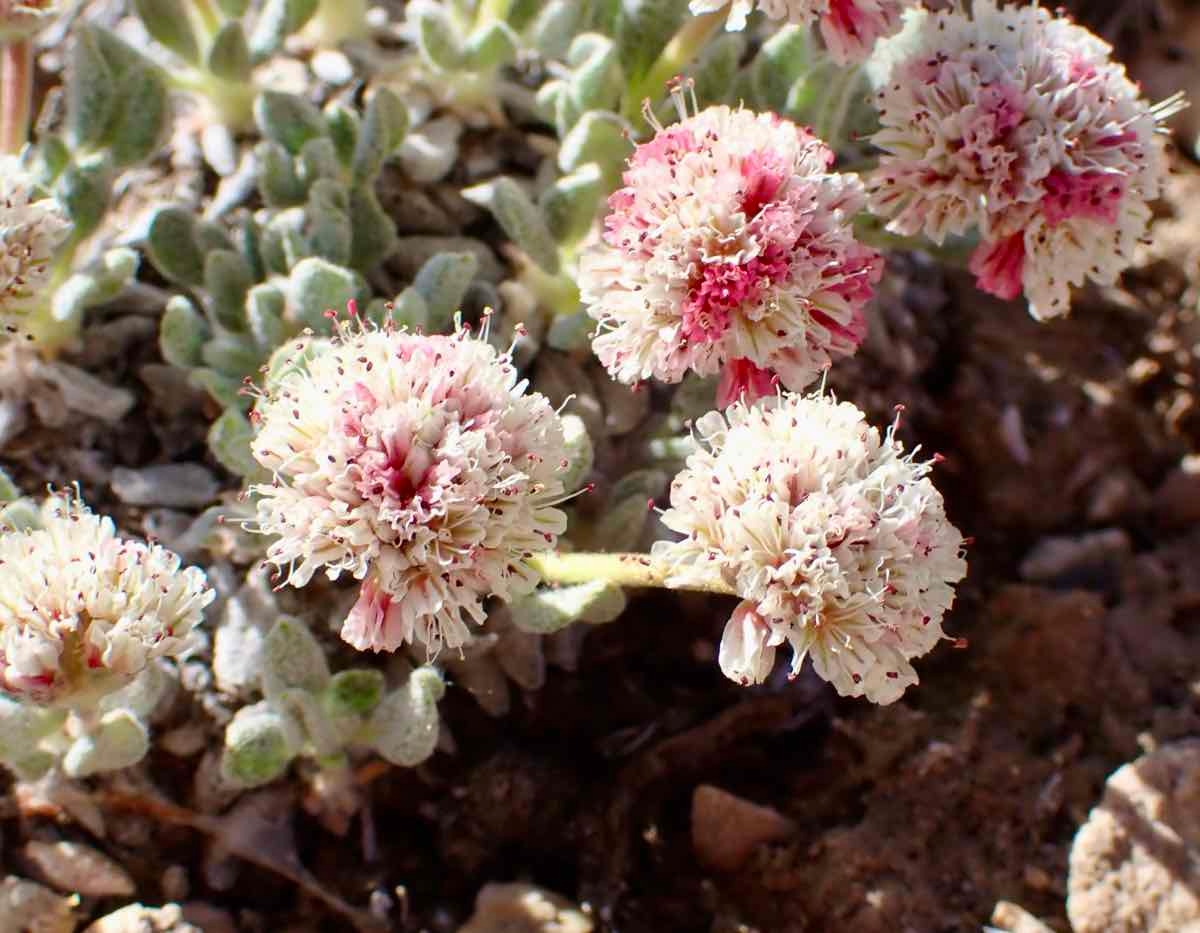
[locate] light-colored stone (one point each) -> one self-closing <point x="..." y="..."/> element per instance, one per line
<point x="73" y="866"/>
<point x="26" y="907"/>
<point x="137" y="918"/>
<point x="176" y="485"/>
<point x="1012" y="918"/>
<point x="1135" y="863"/>
<point x="524" y="908"/>
<point x="727" y="828"/>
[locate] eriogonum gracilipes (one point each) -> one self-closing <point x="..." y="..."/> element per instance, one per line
<point x="32" y="228"/>
<point x="850" y="28"/>
<point x="1018" y="125"/>
<point x="416" y="464"/>
<point x="729" y="249"/>
<point x="84" y="611"/>
<point x="834" y="538"/>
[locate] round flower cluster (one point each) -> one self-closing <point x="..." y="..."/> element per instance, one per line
<point x="729" y="249"/>
<point x="418" y="465"/>
<point x="31" y="230"/>
<point x="83" y="611"/>
<point x="836" y="541"/>
<point x="850" y="28"/>
<point x="1018" y="124"/>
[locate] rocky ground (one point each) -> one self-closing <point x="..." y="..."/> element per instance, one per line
<point x="626" y="774"/>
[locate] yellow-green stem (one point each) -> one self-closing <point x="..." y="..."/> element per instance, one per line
<point x="49" y="334"/>
<point x="206" y="16"/>
<point x="679" y="52"/>
<point x="631" y="570"/>
<point x="491" y="11"/>
<point x="16" y="94"/>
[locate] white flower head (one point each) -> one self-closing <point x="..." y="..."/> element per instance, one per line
<point x="850" y="28"/>
<point x="729" y="249"/>
<point x="1018" y="125"/>
<point x="835" y="539"/>
<point x="31" y="230"/>
<point x="83" y="611"/>
<point x="417" y="464"/>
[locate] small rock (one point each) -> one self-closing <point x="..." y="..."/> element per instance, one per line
<point x="1014" y="919"/>
<point x="524" y="908"/>
<point x="332" y="67"/>
<point x="726" y="829"/>
<point x="1089" y="561"/>
<point x="412" y="251"/>
<point x="137" y="918"/>
<point x="1135" y="863"/>
<point x="176" y="485"/>
<point x="26" y="907"/>
<point x="1177" y="500"/>
<point x="429" y="152"/>
<point x="72" y="866"/>
<point x="82" y="392"/>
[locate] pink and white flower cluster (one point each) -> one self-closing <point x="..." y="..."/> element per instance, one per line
<point x="32" y="228"/>
<point x="836" y="541"/>
<point x="1017" y="124"/>
<point x="417" y="464"/>
<point x="729" y="249"/>
<point x="850" y="28"/>
<point x="83" y="611"/>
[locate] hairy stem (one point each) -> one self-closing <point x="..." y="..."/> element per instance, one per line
<point x="621" y="569"/>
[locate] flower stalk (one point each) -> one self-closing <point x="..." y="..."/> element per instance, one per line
<point x="683" y="48"/>
<point x="16" y="92"/>
<point x="631" y="570"/>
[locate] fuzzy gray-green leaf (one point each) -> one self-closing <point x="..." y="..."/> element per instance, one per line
<point x="383" y="129"/>
<point x="171" y="242"/>
<point x="292" y="657"/>
<point x="288" y="119"/>
<point x="168" y="23"/>
<point x="229" y="55"/>
<point x="182" y="332"/>
<point x="227" y="279"/>
<point x="229" y="440"/>
<point x="442" y="282"/>
<point x="522" y="221"/>
<point x="91" y="89"/>
<point x="141" y="120"/>
<point x="319" y="286"/>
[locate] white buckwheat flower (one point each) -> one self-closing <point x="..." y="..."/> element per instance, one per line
<point x="849" y="27"/>
<point x="729" y="249"/>
<point x="417" y="464"/>
<point x="83" y="611"/>
<point x="1017" y="124"/>
<point x="836" y="541"/>
<point x="31" y="230"/>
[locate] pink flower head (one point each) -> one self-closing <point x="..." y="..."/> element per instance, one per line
<point x="834" y="538"/>
<point x="729" y="249"/>
<point x="849" y="27"/>
<point x="417" y="464"/>
<point x="1017" y="125"/>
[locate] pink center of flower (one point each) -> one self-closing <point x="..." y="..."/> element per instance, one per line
<point x="742" y="379"/>
<point x="998" y="266"/>
<point x="762" y="173"/>
<point x="845" y="17"/>
<point x="724" y="287"/>
<point x="1094" y="195"/>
